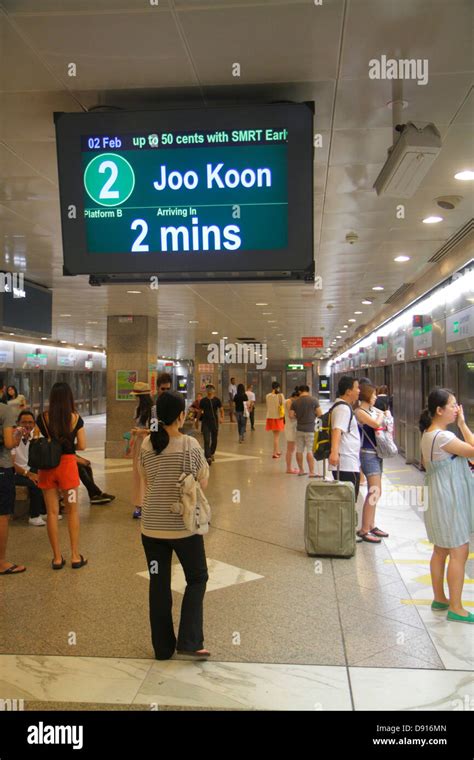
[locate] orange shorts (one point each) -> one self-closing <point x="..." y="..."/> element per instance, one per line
<point x="64" y="476"/>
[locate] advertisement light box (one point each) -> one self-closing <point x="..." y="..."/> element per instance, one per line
<point x="216" y="193"/>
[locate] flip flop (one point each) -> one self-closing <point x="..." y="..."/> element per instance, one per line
<point x="77" y="565"/>
<point x="369" y="538"/>
<point x="379" y="533"/>
<point x="12" y="570"/>
<point x="58" y="566"/>
<point x="202" y="654"/>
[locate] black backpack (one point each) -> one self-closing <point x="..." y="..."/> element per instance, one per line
<point x="322" y="436"/>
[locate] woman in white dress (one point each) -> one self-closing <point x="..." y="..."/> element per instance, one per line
<point x="448" y="514"/>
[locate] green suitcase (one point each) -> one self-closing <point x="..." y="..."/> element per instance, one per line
<point x="330" y="519"/>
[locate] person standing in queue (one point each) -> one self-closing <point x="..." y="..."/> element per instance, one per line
<point x="240" y="400"/>
<point x="141" y="428"/>
<point x="290" y="435"/>
<point x="369" y="419"/>
<point x="163" y="457"/>
<point x="305" y="409"/>
<point x="275" y="416"/>
<point x="448" y="514"/>
<point x="344" y="458"/>
<point x="64" y="424"/>
<point x="212" y="411"/>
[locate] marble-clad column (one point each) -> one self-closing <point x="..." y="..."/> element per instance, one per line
<point x="132" y="344"/>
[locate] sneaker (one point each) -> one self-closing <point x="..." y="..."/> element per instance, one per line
<point x="37" y="521"/>
<point x="137" y="513"/>
<point x="102" y="498"/>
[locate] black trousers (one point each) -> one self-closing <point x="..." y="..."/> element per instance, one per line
<point x="351" y="477"/>
<point x="252" y="418"/>
<point x="210" y="439"/>
<point x="37" y="505"/>
<point x="192" y="557"/>
<point x="87" y="478"/>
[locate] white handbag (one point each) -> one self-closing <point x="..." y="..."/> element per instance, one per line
<point x="192" y="504"/>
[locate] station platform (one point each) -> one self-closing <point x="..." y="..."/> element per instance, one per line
<point x="286" y="631"/>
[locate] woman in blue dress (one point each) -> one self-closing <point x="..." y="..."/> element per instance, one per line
<point x="448" y="514"/>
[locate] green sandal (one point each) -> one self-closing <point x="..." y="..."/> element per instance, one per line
<point x="455" y="618"/>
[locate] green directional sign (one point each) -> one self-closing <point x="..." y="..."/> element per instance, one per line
<point x="109" y="179"/>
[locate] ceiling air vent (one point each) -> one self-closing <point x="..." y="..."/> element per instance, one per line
<point x="400" y="292"/>
<point x="247" y="340"/>
<point x="453" y="241"/>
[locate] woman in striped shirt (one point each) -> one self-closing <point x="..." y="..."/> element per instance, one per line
<point x="163" y="459"/>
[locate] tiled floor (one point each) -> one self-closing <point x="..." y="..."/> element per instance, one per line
<point x="286" y="631"/>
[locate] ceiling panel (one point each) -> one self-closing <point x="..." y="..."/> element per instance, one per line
<point x="179" y="54"/>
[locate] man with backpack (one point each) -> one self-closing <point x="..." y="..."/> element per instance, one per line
<point x="345" y="437"/>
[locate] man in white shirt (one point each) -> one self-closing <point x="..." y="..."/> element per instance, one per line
<point x="345" y="436"/>
<point x="251" y="405"/>
<point x="232" y="392"/>
<point x="23" y="474"/>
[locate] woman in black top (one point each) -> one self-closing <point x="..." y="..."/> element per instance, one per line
<point x="240" y="398"/>
<point x="62" y="423"/>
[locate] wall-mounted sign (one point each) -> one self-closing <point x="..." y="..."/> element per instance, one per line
<point x="398" y="348"/>
<point x="295" y="367"/>
<point x="422" y="338"/>
<point x="6" y="354"/>
<point x="313" y="342"/>
<point x="36" y="360"/>
<point x="67" y="360"/>
<point x="460" y="325"/>
<point x="124" y="381"/>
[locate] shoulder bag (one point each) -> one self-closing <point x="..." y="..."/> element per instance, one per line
<point x="44" y="453"/>
<point x="192" y="504"/>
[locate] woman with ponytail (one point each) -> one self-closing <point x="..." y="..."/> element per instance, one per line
<point x="165" y="455"/>
<point x="448" y="514"/>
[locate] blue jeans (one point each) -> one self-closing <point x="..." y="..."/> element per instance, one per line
<point x="241" y="423"/>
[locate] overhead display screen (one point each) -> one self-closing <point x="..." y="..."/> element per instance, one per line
<point x="201" y="194"/>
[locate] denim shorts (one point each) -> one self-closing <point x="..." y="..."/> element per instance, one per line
<point x="370" y="463"/>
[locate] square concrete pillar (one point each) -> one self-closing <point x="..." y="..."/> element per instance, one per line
<point x="132" y="344"/>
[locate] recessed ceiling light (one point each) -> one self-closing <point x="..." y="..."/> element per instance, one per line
<point x="65" y="315"/>
<point x="134" y="291"/>
<point x="465" y="175"/>
<point x="343" y="331"/>
<point x="225" y="337"/>
<point x="92" y="323"/>
<point x="261" y="304"/>
<point x="214" y="333"/>
<point x="402" y="258"/>
<point x="193" y="322"/>
<point x="432" y="219"/>
<point x="11" y="333"/>
<point x="357" y="312"/>
<point x="80" y="344"/>
<point x="64" y="341"/>
<point x="267" y="313"/>
<point x="279" y="335"/>
<point x="270" y="321"/>
<point x="95" y="346"/>
<point x="351" y="320"/>
<point x="346" y="325"/>
<point x="378" y="287"/>
<point x="44" y="339"/>
<point x="338" y="336"/>
<point x="366" y="302"/>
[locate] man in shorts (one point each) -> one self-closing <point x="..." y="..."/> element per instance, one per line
<point x="305" y="408"/>
<point x="11" y="437"/>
